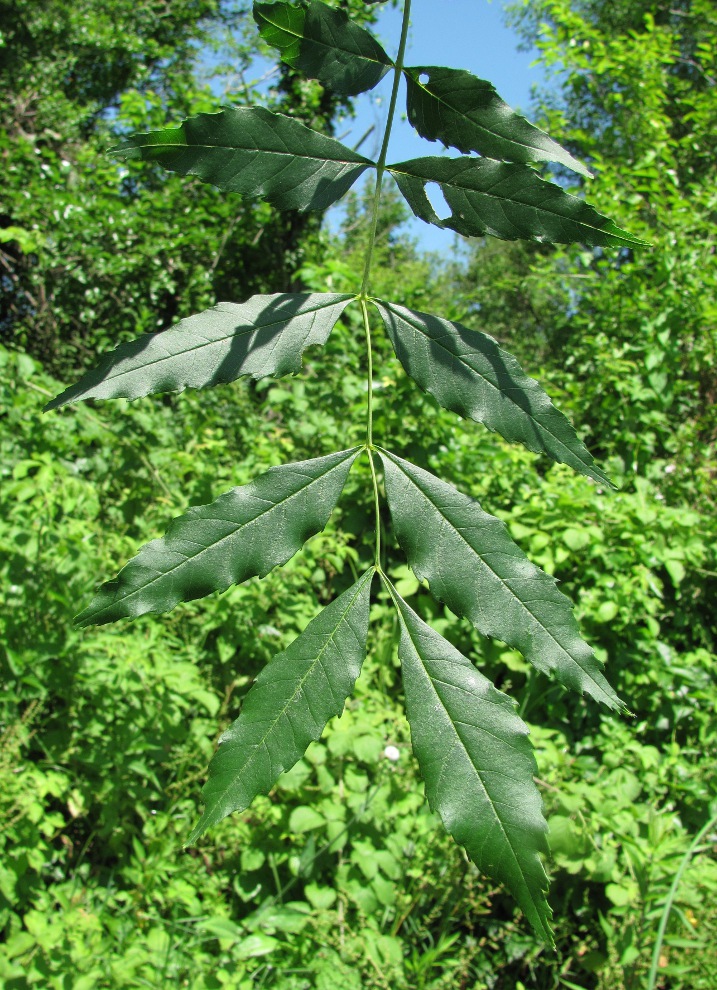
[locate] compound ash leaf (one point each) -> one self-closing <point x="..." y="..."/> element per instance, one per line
<point x="468" y="373"/>
<point x="465" y="112"/>
<point x="505" y="200"/>
<point x="244" y="533"/>
<point x="289" y="705"/>
<point x="322" y="43"/>
<point x="477" y="764"/>
<point x="266" y="335"/>
<point x="473" y="565"/>
<point x="255" y="152"/>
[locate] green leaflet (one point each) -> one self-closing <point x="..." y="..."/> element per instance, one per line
<point x="255" y="152"/>
<point x="473" y="565"/>
<point x="289" y="705"/>
<point x="323" y="44"/>
<point x="468" y="373"/>
<point x="244" y="533"/>
<point x="477" y="764"/>
<point x="466" y="113"/>
<point x="505" y="200"/>
<point x="266" y="335"/>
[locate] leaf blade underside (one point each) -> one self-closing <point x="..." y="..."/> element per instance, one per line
<point x="472" y="564"/>
<point x="264" y="336"/>
<point x="254" y="152"/>
<point x="289" y="706"/>
<point x="477" y="764"/>
<point x="504" y="200"/>
<point x="244" y="533"/>
<point x="464" y="112"/>
<point x="323" y="43"/>
<point x="469" y="374"/>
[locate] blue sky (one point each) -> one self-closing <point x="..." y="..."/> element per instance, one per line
<point x="462" y="34"/>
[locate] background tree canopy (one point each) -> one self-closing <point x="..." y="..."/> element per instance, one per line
<point x="342" y="878"/>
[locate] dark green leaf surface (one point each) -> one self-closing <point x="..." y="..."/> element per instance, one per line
<point x="505" y="200"/>
<point x="266" y="335"/>
<point x="255" y="152"/>
<point x="289" y="705"/>
<point x="473" y="565"/>
<point x="477" y="764"/>
<point x="322" y="43"/>
<point x="464" y="112"/>
<point x="244" y="533"/>
<point x="468" y="373"/>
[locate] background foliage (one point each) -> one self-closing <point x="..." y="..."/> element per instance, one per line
<point x="343" y="877"/>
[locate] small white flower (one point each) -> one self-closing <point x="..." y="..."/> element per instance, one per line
<point x="670" y="468"/>
<point x="392" y="753"/>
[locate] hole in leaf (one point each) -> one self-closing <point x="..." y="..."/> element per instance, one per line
<point x="424" y="78"/>
<point x="438" y="200"/>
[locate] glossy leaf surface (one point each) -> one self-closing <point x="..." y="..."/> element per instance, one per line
<point x="473" y="565"/>
<point x="465" y="112"/>
<point x="468" y="373"/>
<point x="255" y="152"/>
<point x="266" y="335"/>
<point x="505" y="200"/>
<point x="322" y="43"/>
<point x="244" y="533"/>
<point x="477" y="764"/>
<point x="289" y="705"/>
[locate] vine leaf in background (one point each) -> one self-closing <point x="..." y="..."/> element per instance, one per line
<point x="477" y="764"/>
<point x="288" y="706"/>
<point x="266" y="335"/>
<point x="255" y="152"/>
<point x="245" y="533"/>
<point x="464" y="112"/>
<point x="468" y="373"/>
<point x="322" y="43"/>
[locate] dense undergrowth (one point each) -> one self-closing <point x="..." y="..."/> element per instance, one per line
<point x="342" y="877"/>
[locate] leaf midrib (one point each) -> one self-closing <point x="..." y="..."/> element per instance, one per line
<point x="522" y="604"/>
<point x="233" y="148"/>
<point x="507" y="199"/>
<point x="481" y="127"/>
<point x="251" y="328"/>
<point x="307" y="674"/>
<point x="477" y="771"/>
<point x="213" y="546"/>
<point x="488" y="382"/>
<point x="322" y="44"/>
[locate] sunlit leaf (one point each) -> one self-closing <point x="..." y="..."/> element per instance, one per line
<point x="244" y="533"/>
<point x="466" y="113"/>
<point x="468" y="373"/>
<point x="322" y="43"/>
<point x="506" y="200"/>
<point x="266" y="335"/>
<point x="472" y="564"/>
<point x="289" y="705"/>
<point x="477" y="764"/>
<point x="255" y="152"/>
